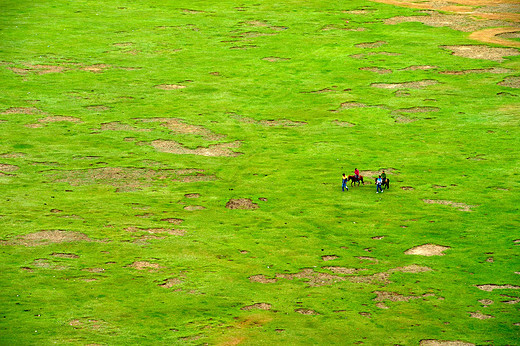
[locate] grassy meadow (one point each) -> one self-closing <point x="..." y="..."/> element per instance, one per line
<point x="127" y="127"/>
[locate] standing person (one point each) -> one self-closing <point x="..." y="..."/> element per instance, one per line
<point x="379" y="181"/>
<point x="356" y="173"/>
<point x="344" y="180"/>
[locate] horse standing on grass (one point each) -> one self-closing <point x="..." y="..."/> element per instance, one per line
<point x="353" y="179"/>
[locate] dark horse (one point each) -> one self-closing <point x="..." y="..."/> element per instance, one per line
<point x="353" y="179"/>
<point x="386" y="183"/>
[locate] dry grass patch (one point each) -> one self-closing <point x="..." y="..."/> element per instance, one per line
<point x="221" y="149"/>
<point x="192" y="195"/>
<point x="194" y="207"/>
<point x="145" y="265"/>
<point x="241" y="203"/>
<point x="47" y="237"/>
<point x="172" y="231"/>
<point x="394" y="297"/>
<point x="343" y="270"/>
<point x="64" y="255"/>
<point x="342" y="123"/>
<point x="118" y="126"/>
<point x="376" y="70"/>
<point x="365" y="55"/>
<point x="169" y="283"/>
<point x="427" y="250"/>
<point x="482" y="52"/>
<point x="480" y="315"/>
<point x="406" y="85"/>
<point x="496" y="70"/>
<point x="262" y="279"/>
<point x="178" y="126"/>
<point x="275" y="59"/>
<point x="306" y="311"/>
<point x="511" y="82"/>
<point x="491" y="287"/>
<point x="419" y="68"/>
<point x="313" y="278"/>
<point x="257" y="306"/>
<point x="414" y="268"/>
<point x="431" y="342"/>
<point x="170" y="86"/>
<point x="58" y="118"/>
<point x="329" y="257"/>
<point x="22" y="110"/>
<point x="8" y="168"/>
<point x="97" y="68"/>
<point x="416" y="110"/>
<point x="459" y="206"/>
<point x="371" y="44"/>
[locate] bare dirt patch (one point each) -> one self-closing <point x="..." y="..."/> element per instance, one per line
<point x="241" y="203"/>
<point x="194" y="207"/>
<point x="365" y="55"/>
<point x="343" y="270"/>
<point x="275" y="59"/>
<point x="12" y="155"/>
<point x="497" y="36"/>
<point x="126" y="178"/>
<point x="172" y="231"/>
<point x="431" y="342"/>
<point x="414" y="268"/>
<point x="342" y="123"/>
<point x="362" y="11"/>
<point x="178" y="126"/>
<point x="329" y="257"/>
<point x="511" y="82"/>
<point x="393" y="297"/>
<point x="379" y="70"/>
<point x="97" y="68"/>
<point x="496" y="70"/>
<point x="192" y="195"/>
<point x="257" y="306"/>
<point x="480" y="315"/>
<point x="306" y="311"/>
<point x="169" y="283"/>
<point x="221" y="149"/>
<point x="64" y="255"/>
<point x="416" y="110"/>
<point x="373" y="174"/>
<point x="407" y="188"/>
<point x="404" y="120"/>
<point x="459" y="206"/>
<point x="262" y="279"/>
<point x="170" y="86"/>
<point x="427" y="250"/>
<point x="8" y="168"/>
<point x="47" y="237"/>
<point x="406" y="85"/>
<point x="491" y="287"/>
<point x="144" y="265"/>
<point x="58" y="118"/>
<point x="22" y="110"/>
<point x="371" y="44"/>
<point x="419" y="68"/>
<point x="313" y="278"/>
<point x="482" y="52"/>
<point x="485" y="302"/>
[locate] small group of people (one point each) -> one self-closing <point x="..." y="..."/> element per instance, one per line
<point x="380" y="180"/>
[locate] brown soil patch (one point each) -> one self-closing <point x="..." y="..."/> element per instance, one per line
<point x="401" y="93"/>
<point x="419" y="68"/>
<point x="172" y="231"/>
<point x="306" y="311"/>
<point x="260" y="306"/>
<point x="491" y="287"/>
<point x="480" y="315"/>
<point x="404" y="120"/>
<point x="343" y="270"/>
<point x="94" y="270"/>
<point x="126" y="179"/>
<point x="241" y="203"/>
<point x="378" y="278"/>
<point x="8" y="168"/>
<point x="343" y="123"/>
<point x="313" y="278"/>
<point x="366" y="314"/>
<point x="275" y="59"/>
<point x="371" y="44"/>
<point x="482" y="52"/>
<point x="414" y="268"/>
<point x="192" y="195"/>
<point x="47" y="237"/>
<point x="221" y="149"/>
<point x="427" y="250"/>
<point x="97" y="108"/>
<point x="142" y="265"/>
<point x="178" y="126"/>
<point x="485" y="301"/>
<point x="497" y="36"/>
<point x="497" y="70"/>
<point x="118" y="126"/>
<point x="173" y="220"/>
<point x="57" y="118"/>
<point x="97" y="68"/>
<point x="64" y="255"/>
<point x="262" y="279"/>
<point x="444" y="343"/>
<point x="416" y="110"/>
<point x="364" y="55"/>
<point x="454" y="21"/>
<point x="407" y="188"/>
<point x="271" y="122"/>
<point x="169" y="283"/>
<point x="194" y="207"/>
<point x="511" y="82"/>
<point x="329" y="257"/>
<point x="22" y="110"/>
<point x="406" y="85"/>
<point x="376" y="70"/>
<point x="459" y="206"/>
<point x="393" y="297"/>
<point x="360" y="11"/>
<point x="170" y="86"/>
<point x="12" y="155"/>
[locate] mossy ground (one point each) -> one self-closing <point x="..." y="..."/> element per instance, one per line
<point x="112" y="55"/>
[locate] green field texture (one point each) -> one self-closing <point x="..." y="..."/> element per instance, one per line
<point x="100" y="66"/>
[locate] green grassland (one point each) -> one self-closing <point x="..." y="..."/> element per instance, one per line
<point x="99" y="63"/>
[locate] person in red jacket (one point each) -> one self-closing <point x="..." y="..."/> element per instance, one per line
<point x="356" y="172"/>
